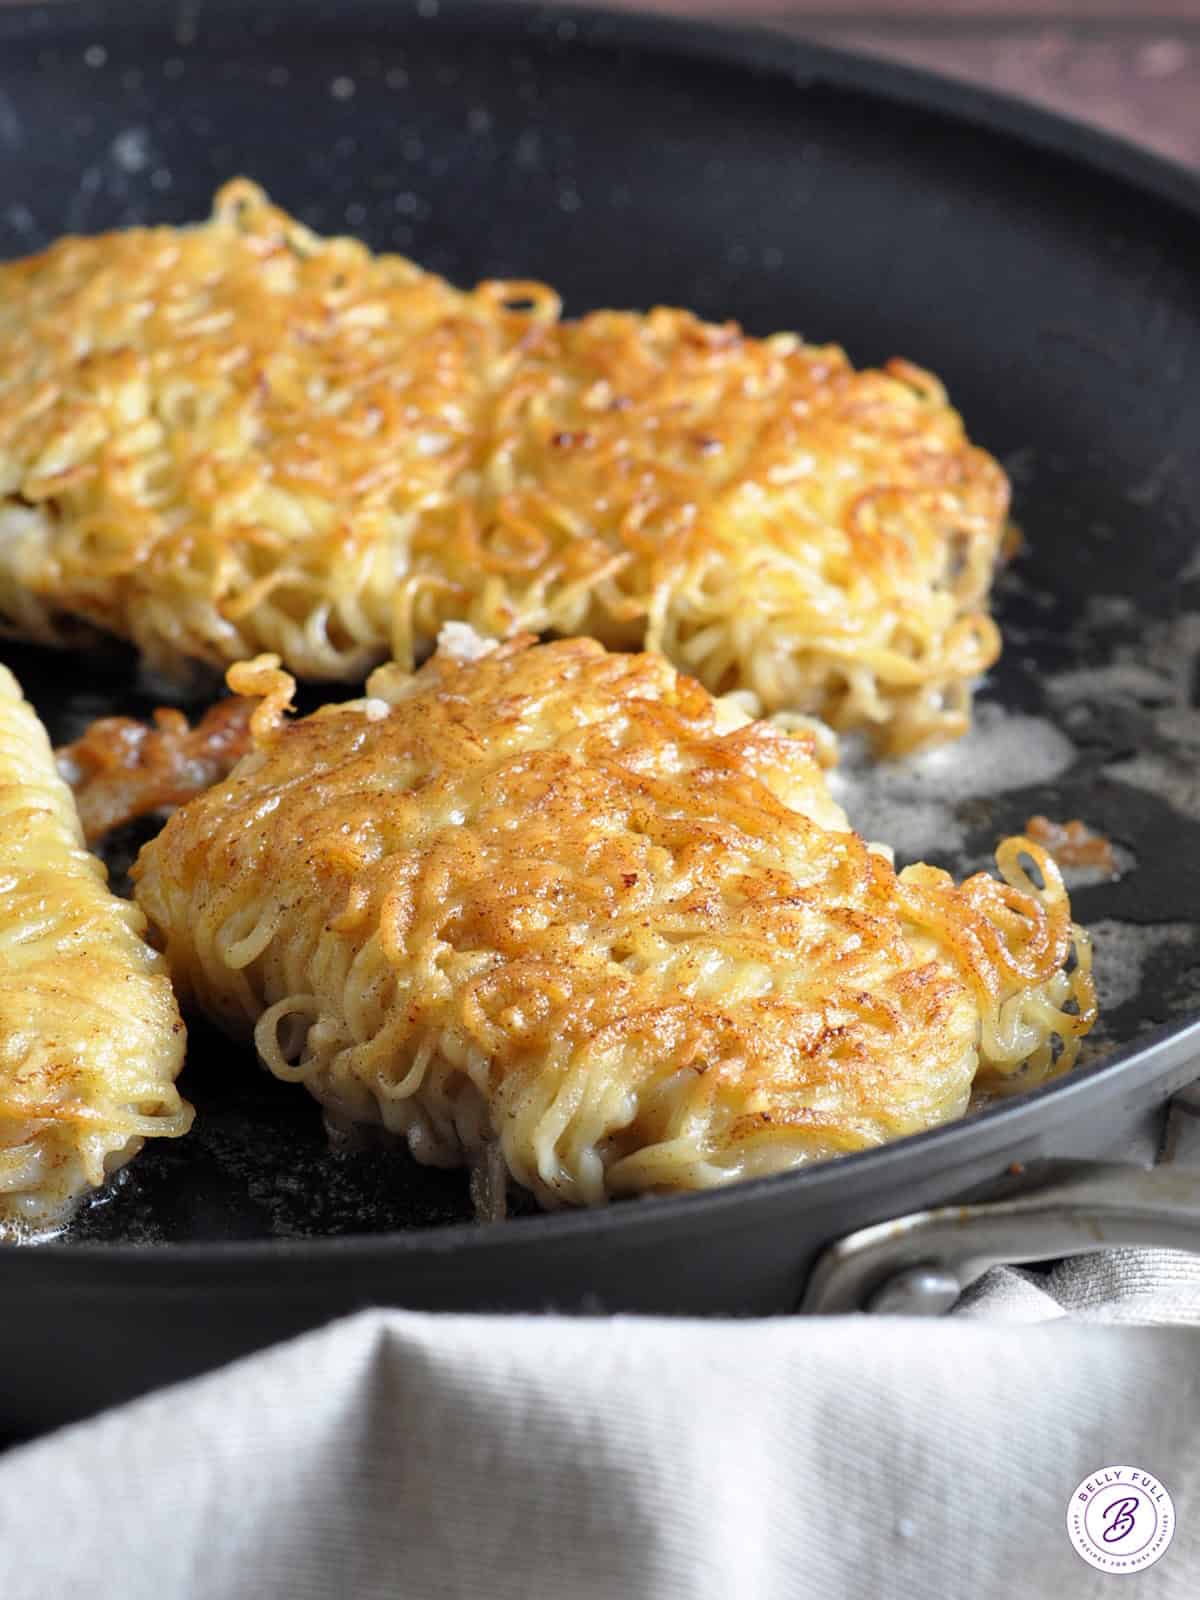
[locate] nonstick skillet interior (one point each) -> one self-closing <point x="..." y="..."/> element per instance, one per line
<point x="628" y="162"/>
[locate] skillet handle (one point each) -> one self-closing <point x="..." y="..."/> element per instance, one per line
<point x="919" y="1265"/>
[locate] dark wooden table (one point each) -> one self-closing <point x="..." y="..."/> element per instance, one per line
<point x="1132" y="66"/>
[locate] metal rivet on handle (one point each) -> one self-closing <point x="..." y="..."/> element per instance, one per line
<point x="916" y="1292"/>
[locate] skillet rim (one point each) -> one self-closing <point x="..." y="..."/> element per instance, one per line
<point x="756" y="46"/>
<point x="774" y="53"/>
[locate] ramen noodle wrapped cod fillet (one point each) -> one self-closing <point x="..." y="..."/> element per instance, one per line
<point x="90" y="1035"/>
<point x="561" y="905"/>
<point x="239" y="436"/>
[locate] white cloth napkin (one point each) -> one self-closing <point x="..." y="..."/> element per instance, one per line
<point x="397" y="1455"/>
<point x="407" y="1455"/>
<point x="1132" y="1287"/>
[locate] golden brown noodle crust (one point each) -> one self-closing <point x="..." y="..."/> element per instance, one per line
<point x="90" y="1036"/>
<point x="562" y="899"/>
<point x="239" y="437"/>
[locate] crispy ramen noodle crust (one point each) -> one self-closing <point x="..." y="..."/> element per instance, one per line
<point x="240" y="437"/>
<point x="90" y="1036"/>
<point x="563" y="900"/>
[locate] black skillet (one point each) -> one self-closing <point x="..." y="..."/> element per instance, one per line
<point x="1047" y="273"/>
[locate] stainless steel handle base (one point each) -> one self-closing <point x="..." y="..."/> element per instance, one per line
<point x="919" y="1265"/>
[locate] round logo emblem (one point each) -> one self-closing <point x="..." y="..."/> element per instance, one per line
<point x="1121" y="1519"/>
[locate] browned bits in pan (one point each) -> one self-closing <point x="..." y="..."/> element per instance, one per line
<point x="1073" y="844"/>
<point x="121" y="769"/>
